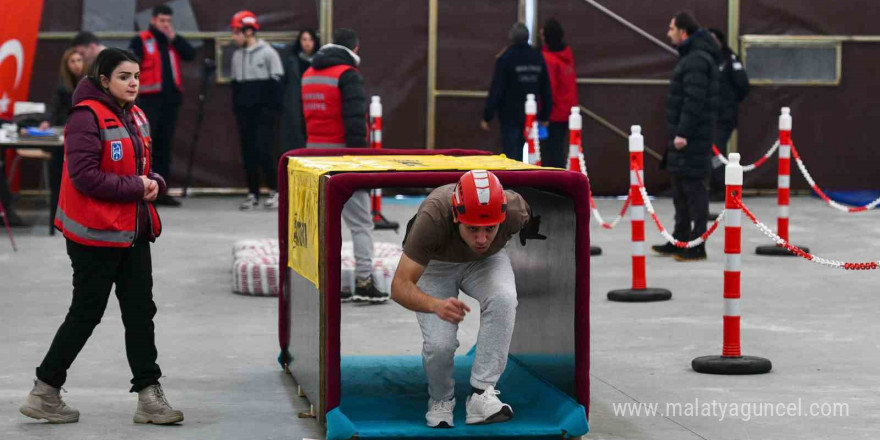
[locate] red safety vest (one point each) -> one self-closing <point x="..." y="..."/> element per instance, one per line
<point x="322" y="107"/>
<point x="151" y="65"/>
<point x="105" y="223"/>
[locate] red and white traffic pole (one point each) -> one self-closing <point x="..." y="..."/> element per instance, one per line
<point x="379" y="221"/>
<point x="731" y="360"/>
<point x="531" y="131"/>
<point x="783" y="190"/>
<point x="575" y="150"/>
<point x="576" y="153"/>
<point x="639" y="291"/>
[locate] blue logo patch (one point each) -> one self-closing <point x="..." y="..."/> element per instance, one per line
<point x="116" y="151"/>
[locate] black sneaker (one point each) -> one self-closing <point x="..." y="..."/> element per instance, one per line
<point x="345" y="296"/>
<point x="666" y="249"/>
<point x="365" y="291"/>
<point x="697" y="253"/>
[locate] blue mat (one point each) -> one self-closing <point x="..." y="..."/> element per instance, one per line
<point x="386" y="396"/>
<point x="852" y="198"/>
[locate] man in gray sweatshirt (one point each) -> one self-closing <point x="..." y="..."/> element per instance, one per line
<point x="257" y="95"/>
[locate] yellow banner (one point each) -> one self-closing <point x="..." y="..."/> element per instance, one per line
<point x="304" y="175"/>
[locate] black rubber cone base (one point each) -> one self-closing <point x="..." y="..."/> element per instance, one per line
<point x="731" y="365"/>
<point x="639" y="295"/>
<point x="777" y="251"/>
<point x="595" y="250"/>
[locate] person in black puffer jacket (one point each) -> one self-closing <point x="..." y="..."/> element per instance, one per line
<point x="733" y="83"/>
<point x="691" y="113"/>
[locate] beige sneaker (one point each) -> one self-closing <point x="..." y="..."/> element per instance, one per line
<point x="154" y="408"/>
<point x="44" y="403"/>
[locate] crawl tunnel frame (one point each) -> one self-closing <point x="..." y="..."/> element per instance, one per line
<point x="553" y="288"/>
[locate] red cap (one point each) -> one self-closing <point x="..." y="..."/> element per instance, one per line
<point x="479" y="199"/>
<point x="244" y="18"/>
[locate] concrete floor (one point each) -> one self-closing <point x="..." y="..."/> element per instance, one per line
<point x="218" y="350"/>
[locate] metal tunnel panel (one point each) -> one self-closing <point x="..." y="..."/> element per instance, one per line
<point x="543" y="338"/>
<point x="305" y="337"/>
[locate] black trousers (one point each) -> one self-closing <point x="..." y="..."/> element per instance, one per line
<point x="95" y="271"/>
<point x="256" y="130"/>
<point x="554" y="149"/>
<point x="512" y="140"/>
<point x="162" y="113"/>
<point x="691" y="199"/>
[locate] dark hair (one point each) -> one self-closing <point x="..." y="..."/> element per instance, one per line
<point x="518" y="34"/>
<point x="108" y="60"/>
<point x="84" y="38"/>
<point x="553" y="34"/>
<point x="685" y="21"/>
<point x="162" y="10"/>
<point x="725" y="49"/>
<point x="346" y="37"/>
<point x="297" y="47"/>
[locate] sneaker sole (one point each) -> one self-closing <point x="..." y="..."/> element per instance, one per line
<point x="369" y="299"/>
<point x="504" y="415"/>
<point x="140" y="417"/>
<point x="441" y="425"/>
<point x="40" y="415"/>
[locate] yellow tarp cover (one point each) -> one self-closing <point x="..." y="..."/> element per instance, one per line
<point x="304" y="174"/>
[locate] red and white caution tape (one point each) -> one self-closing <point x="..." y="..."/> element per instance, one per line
<point x="834" y="264"/>
<point x="822" y="195"/>
<point x="677" y="243"/>
<point x="593" y="209"/>
<point x="751" y="167"/>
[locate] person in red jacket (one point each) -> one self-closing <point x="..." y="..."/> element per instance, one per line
<point x="106" y="213"/>
<point x="563" y="83"/>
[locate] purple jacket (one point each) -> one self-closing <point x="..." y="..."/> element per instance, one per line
<point x="83" y="147"/>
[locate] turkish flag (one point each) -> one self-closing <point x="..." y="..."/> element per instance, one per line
<point x="19" y="23"/>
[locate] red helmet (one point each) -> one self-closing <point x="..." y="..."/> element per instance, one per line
<point x="479" y="199"/>
<point x="244" y="18"/>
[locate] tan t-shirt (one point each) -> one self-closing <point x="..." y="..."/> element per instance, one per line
<point x="433" y="235"/>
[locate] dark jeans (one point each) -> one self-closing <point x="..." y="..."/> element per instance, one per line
<point x="691" y="199"/>
<point x="162" y="113"/>
<point x="255" y="131"/>
<point x="554" y="149"/>
<point x="95" y="270"/>
<point x="512" y="140"/>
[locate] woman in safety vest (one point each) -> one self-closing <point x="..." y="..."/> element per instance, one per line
<point x="106" y="213"/>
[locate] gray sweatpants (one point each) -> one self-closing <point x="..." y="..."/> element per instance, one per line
<point x="358" y="217"/>
<point x="490" y="281"/>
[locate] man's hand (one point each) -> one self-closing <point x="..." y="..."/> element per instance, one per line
<point x="679" y="142"/>
<point x="169" y="32"/>
<point x="44" y="125"/>
<point x="451" y="310"/>
<point x="530" y="230"/>
<point x="484" y="125"/>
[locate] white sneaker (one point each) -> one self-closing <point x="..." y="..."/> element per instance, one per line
<point x="487" y="408"/>
<point x="272" y="201"/>
<point x="440" y="413"/>
<point x="249" y="203"/>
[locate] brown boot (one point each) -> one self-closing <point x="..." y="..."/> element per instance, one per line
<point x="44" y="403"/>
<point x="154" y="408"/>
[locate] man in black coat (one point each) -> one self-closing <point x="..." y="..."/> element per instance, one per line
<point x="691" y="113"/>
<point x="733" y="83"/>
<point x="520" y="70"/>
<point x="162" y="104"/>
